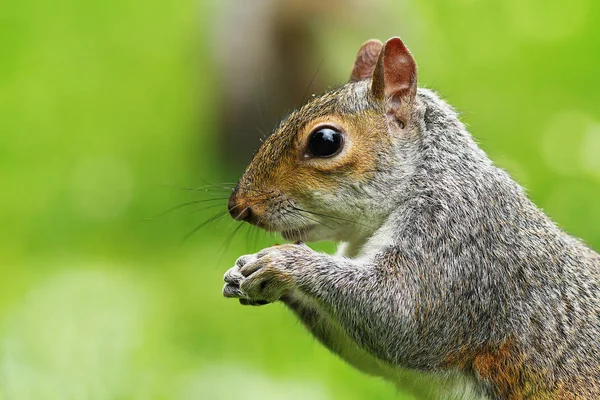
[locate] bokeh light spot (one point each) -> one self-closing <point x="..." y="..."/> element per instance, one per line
<point x="223" y="382"/>
<point x="590" y="150"/>
<point x="563" y="139"/>
<point x="572" y="205"/>
<point x="72" y="338"/>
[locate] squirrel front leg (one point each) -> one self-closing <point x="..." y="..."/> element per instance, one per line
<point x="355" y="308"/>
<point x="330" y="333"/>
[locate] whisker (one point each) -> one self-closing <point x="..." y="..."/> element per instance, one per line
<point x="257" y="231"/>
<point x="333" y="218"/>
<point x="231" y="235"/>
<point x="312" y="81"/>
<point x="205" y="188"/>
<point x="259" y="193"/>
<point x="297" y="213"/>
<point x="184" y="205"/>
<point x="218" y="186"/>
<point x="228" y="241"/>
<point x="252" y="236"/>
<point x="248" y="239"/>
<point x="203" y="209"/>
<point x="236" y="206"/>
<point x="263" y="135"/>
<point x="211" y="219"/>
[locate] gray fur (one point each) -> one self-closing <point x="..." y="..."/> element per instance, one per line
<point x="448" y="259"/>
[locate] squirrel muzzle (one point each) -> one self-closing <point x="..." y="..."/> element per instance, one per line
<point x="238" y="208"/>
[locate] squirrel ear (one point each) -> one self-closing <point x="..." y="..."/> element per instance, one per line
<point x="366" y="58"/>
<point x="395" y="75"/>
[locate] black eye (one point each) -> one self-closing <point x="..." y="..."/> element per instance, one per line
<point x="325" y="142"/>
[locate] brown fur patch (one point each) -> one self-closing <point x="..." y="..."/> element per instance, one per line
<point x="364" y="134"/>
<point x="504" y="367"/>
<point x="281" y="170"/>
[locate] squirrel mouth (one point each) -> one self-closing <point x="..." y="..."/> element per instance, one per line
<point x="296" y="233"/>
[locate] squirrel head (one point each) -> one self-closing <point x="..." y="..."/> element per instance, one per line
<point x="328" y="171"/>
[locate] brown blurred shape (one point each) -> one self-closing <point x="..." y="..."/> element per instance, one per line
<point x="268" y="58"/>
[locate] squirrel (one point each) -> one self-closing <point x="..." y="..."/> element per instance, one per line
<point x="448" y="280"/>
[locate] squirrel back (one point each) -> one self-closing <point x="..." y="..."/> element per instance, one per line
<point x="459" y="270"/>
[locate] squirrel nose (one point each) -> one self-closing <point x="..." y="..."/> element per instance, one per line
<point x="238" y="210"/>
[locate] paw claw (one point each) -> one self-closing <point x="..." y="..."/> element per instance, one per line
<point x="264" y="277"/>
<point x="246" y="302"/>
<point x="234" y="291"/>
<point x="245" y="259"/>
<point x="251" y="268"/>
<point x="234" y="276"/>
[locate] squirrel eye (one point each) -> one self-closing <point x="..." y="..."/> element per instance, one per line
<point x="325" y="142"/>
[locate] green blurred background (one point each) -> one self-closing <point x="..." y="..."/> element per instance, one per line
<point x="108" y="108"/>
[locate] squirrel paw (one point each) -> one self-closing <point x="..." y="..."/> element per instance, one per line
<point x="262" y="278"/>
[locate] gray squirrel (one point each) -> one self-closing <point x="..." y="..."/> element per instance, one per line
<point x="449" y="281"/>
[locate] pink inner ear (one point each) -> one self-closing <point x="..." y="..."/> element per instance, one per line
<point x="366" y="59"/>
<point x="396" y="74"/>
<point x="399" y="66"/>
